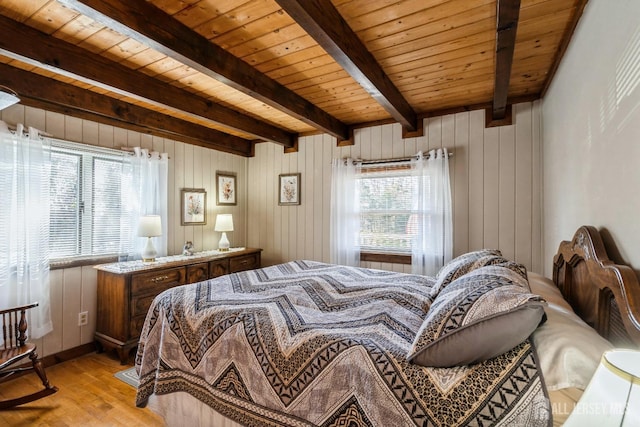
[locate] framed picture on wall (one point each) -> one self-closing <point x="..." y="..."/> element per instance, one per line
<point x="289" y="189"/>
<point x="193" y="206"/>
<point x="226" y="189"/>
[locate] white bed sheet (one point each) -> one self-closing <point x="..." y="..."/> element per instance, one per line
<point x="569" y="350"/>
<point x="183" y="410"/>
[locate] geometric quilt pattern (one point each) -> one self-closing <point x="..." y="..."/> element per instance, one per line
<point x="309" y="343"/>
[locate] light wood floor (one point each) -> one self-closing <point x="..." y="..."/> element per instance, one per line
<point x="89" y="395"/>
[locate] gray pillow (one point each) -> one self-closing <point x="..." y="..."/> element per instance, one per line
<point x="476" y="317"/>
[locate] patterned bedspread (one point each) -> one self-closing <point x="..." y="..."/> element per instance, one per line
<point x="306" y="343"/>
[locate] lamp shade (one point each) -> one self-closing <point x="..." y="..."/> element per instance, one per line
<point x="7" y="97"/>
<point x="150" y="226"/>
<point x="224" y="222"/>
<point x="612" y="398"/>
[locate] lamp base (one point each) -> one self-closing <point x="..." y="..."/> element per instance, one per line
<point x="223" y="244"/>
<point x="149" y="252"/>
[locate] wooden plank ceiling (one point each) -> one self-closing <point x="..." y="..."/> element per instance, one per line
<point x="230" y="73"/>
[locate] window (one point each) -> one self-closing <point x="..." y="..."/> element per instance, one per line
<point x="386" y="203"/>
<point x="65" y="193"/>
<point x="392" y="212"/>
<point x="85" y="201"/>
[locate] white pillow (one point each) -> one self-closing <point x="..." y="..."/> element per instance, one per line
<point x="569" y="350"/>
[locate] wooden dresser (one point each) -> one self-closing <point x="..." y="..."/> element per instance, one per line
<point x="126" y="290"/>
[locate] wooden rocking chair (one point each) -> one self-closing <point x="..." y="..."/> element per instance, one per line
<point x="15" y="349"/>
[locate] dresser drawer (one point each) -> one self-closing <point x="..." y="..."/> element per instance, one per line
<point x="157" y="281"/>
<point x="197" y="272"/>
<point x="245" y="262"/>
<point x="140" y="304"/>
<point x="219" y="267"/>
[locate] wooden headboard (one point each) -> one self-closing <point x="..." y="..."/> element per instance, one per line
<point x="604" y="294"/>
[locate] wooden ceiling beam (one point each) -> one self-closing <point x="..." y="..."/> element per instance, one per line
<point x="508" y="13"/>
<point x="324" y="23"/>
<point x="43" y="92"/>
<point x="21" y="42"/>
<point x="145" y="23"/>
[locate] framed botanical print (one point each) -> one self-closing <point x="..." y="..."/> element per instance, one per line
<point x="289" y="189"/>
<point x="226" y="193"/>
<point x="193" y="206"/>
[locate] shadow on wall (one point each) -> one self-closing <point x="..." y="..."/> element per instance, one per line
<point x="614" y="253"/>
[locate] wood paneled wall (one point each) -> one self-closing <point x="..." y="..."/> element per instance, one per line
<point x="496" y="180"/>
<point x="73" y="290"/>
<point x="495" y="174"/>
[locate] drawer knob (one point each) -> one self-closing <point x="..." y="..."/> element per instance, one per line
<point x="159" y="279"/>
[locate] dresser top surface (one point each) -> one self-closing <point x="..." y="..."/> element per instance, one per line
<point x="172" y="261"/>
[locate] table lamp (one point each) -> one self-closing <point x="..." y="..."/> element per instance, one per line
<point x="612" y="398"/>
<point x="224" y="223"/>
<point x="149" y="226"/>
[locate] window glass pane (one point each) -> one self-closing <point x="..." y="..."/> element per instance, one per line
<point x="85" y="200"/>
<point x="106" y="206"/>
<point x="385" y="210"/>
<point x="65" y="204"/>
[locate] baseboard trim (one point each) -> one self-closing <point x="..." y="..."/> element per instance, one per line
<point x="54" y="359"/>
<point x="69" y="354"/>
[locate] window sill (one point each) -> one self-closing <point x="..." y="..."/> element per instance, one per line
<point x="392" y="258"/>
<point x="58" y="264"/>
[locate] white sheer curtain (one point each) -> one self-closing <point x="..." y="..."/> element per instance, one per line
<point x="25" y="168"/>
<point x="433" y="244"/>
<point x="345" y="213"/>
<point x="144" y="192"/>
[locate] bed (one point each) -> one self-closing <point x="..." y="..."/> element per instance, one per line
<point x="308" y="343"/>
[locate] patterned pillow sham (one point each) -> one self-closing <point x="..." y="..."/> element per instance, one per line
<point x="476" y="317"/>
<point x="463" y="264"/>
